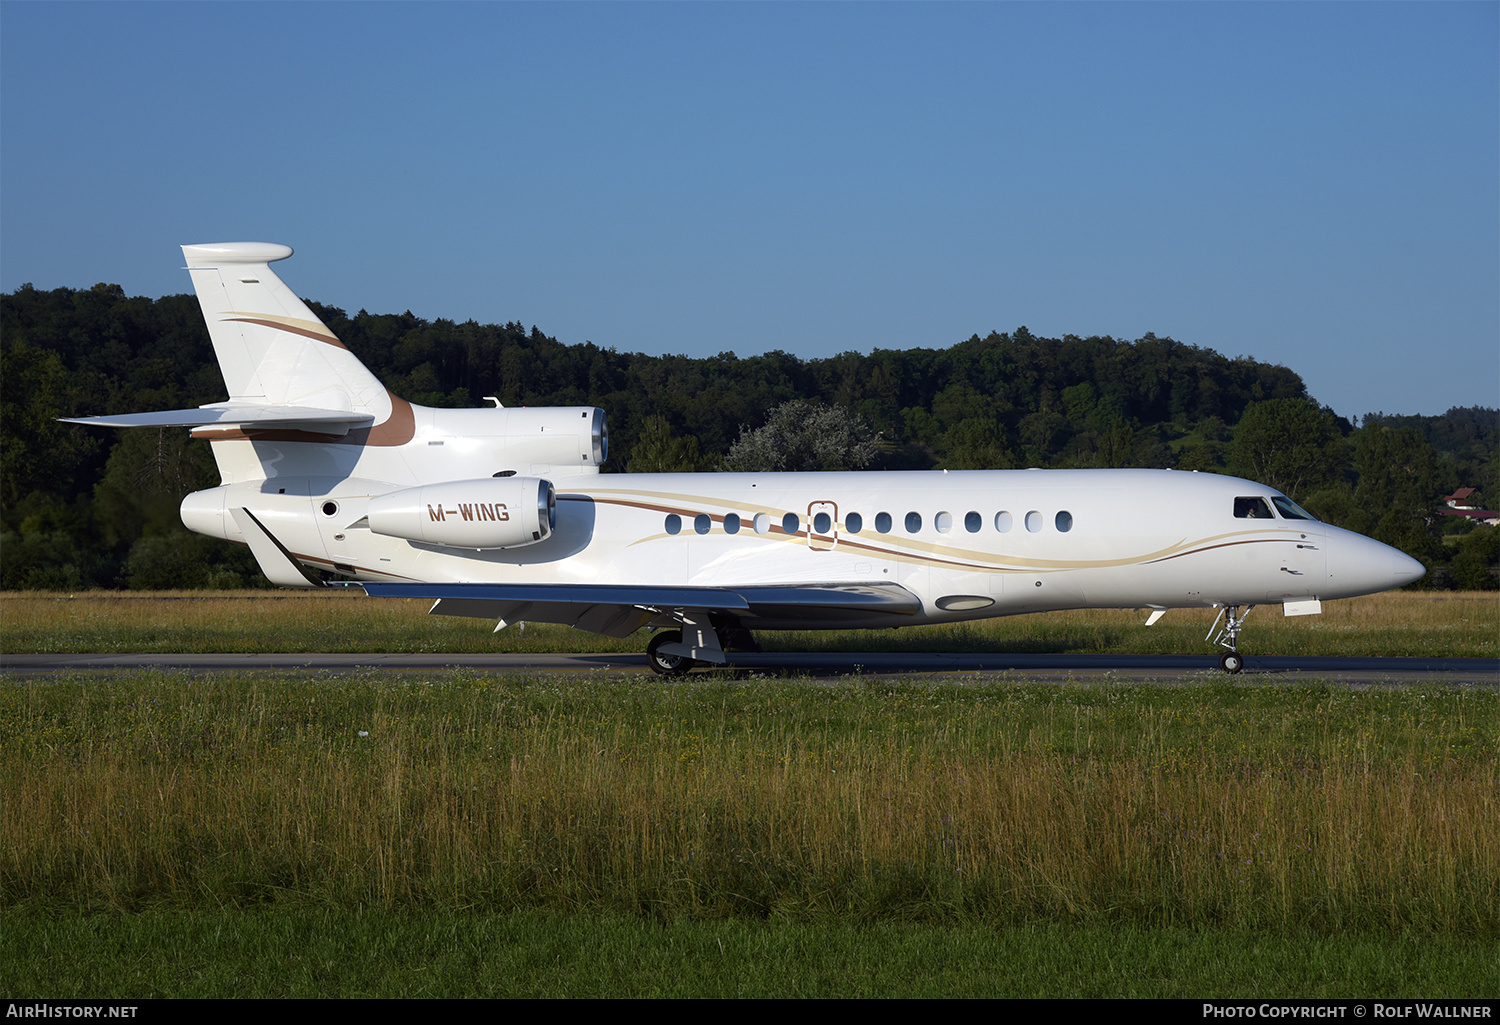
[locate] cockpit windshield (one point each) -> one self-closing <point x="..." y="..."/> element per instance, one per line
<point x="1254" y="507"/>
<point x="1291" y="510"/>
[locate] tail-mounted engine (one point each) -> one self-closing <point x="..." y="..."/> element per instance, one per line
<point x="564" y="439"/>
<point x="505" y="512"/>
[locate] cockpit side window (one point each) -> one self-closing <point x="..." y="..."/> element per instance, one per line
<point x="1253" y="508"/>
<point x="1291" y="510"/>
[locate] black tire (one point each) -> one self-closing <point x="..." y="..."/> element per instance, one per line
<point x="1231" y="662"/>
<point x="667" y="665"/>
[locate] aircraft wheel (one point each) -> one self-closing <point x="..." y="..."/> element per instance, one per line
<point x="1231" y="661"/>
<point x="667" y="665"/>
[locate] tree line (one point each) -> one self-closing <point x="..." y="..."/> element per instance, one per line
<point x="83" y="507"/>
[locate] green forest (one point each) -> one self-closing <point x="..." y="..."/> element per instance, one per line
<point x="84" y="507"/>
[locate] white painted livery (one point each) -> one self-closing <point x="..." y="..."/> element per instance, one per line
<point x="503" y="513"/>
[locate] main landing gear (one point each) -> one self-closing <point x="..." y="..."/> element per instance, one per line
<point x="663" y="664"/>
<point x="668" y="654"/>
<point x="1228" y="636"/>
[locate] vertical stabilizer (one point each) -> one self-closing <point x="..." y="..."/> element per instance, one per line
<point x="272" y="349"/>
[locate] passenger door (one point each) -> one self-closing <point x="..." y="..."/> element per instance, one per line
<point x="822" y="526"/>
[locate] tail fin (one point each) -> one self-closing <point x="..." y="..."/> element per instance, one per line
<point x="272" y="349"/>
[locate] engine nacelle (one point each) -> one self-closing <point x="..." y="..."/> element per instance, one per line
<point x="504" y="512"/>
<point x="563" y="439"/>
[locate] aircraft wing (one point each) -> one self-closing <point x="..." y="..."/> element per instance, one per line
<point x="620" y="609"/>
<point x="226" y="414"/>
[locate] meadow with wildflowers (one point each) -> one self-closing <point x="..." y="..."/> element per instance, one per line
<point x="305" y="834"/>
<point x="1290" y="814"/>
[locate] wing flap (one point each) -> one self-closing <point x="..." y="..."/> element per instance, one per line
<point x="577" y="594"/>
<point x="610" y="620"/>
<point x="620" y="609"/>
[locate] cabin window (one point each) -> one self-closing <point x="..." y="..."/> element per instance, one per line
<point x="1064" y="521"/>
<point x="1033" y="521"/>
<point x="702" y="522"/>
<point x="731" y="523"/>
<point x="1291" y="510"/>
<point x="790" y="524"/>
<point x="972" y="522"/>
<point x="674" y="523"/>
<point x="762" y="523"/>
<point x="854" y="523"/>
<point x="1253" y="508"/>
<point x="943" y="521"/>
<point x="883" y="522"/>
<point x="822" y="523"/>
<point x="1003" y="522"/>
<point x="913" y="523"/>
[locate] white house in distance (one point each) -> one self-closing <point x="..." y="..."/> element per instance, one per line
<point x="1457" y="506"/>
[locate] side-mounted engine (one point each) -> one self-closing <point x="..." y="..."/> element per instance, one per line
<point x="505" y="512"/>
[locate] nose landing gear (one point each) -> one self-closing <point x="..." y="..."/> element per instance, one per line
<point x="1231" y="661"/>
<point x="1228" y="636"/>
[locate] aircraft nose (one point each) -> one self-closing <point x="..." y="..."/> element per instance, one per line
<point x="1404" y="568"/>
<point x="1361" y="565"/>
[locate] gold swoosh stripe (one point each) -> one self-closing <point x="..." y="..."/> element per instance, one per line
<point x="1228" y="544"/>
<point x="395" y="431"/>
<point x="293" y="325"/>
<point x="331" y="564"/>
<point x="895" y="548"/>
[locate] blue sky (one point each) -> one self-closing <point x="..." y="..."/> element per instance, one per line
<point x="1316" y="185"/>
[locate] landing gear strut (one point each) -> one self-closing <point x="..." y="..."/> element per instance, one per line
<point x="1228" y="636"/>
<point x="703" y="640"/>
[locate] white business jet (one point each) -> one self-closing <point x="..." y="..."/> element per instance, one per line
<point x="503" y="513"/>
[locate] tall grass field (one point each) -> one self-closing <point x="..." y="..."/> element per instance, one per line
<point x="1276" y="808"/>
<point x="611" y="834"/>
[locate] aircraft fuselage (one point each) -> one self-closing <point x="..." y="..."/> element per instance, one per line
<point x="966" y="544"/>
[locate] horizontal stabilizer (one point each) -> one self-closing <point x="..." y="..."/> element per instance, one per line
<point x="227" y="415"/>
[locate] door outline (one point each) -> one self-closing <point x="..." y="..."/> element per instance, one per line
<point x="823" y="542"/>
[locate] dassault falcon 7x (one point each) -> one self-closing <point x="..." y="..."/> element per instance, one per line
<point x="503" y="513"/>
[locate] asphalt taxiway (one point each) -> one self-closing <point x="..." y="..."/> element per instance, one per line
<point x="818" y="665"/>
